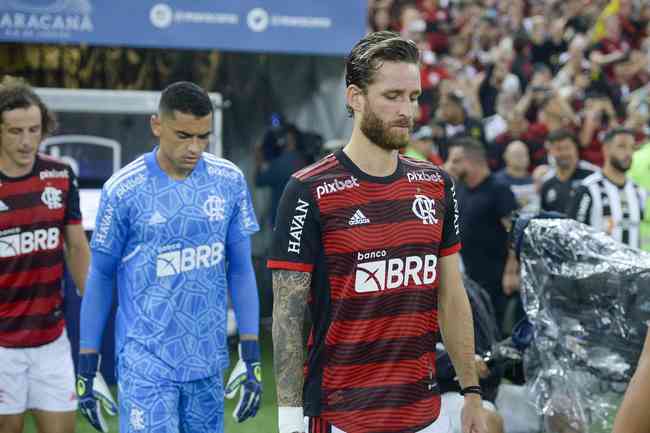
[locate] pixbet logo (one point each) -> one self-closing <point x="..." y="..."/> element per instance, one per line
<point x="336" y="185"/>
<point x="423" y="176"/>
<point x="393" y="273"/>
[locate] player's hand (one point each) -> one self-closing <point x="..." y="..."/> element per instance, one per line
<point x="246" y="378"/>
<point x="472" y="416"/>
<point x="91" y="389"/>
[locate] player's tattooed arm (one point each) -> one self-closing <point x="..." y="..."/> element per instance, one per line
<point x="290" y="290"/>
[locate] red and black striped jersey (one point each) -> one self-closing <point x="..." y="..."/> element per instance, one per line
<point x="372" y="245"/>
<point x="34" y="210"/>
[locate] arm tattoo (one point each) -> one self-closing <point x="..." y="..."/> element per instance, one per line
<point x="290" y="289"/>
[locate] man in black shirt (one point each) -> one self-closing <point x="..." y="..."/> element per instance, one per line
<point x="486" y="205"/>
<point x="559" y="184"/>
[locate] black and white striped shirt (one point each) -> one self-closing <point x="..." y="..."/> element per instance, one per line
<point x="616" y="210"/>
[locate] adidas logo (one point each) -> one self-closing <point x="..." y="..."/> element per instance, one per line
<point x="157" y="218"/>
<point x="3" y="206"/>
<point x="358" y="218"/>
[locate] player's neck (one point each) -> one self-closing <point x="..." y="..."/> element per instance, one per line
<point x="476" y="177"/>
<point x="516" y="172"/>
<point x="564" y="174"/>
<point x="169" y="169"/>
<point x="614" y="175"/>
<point x="370" y="158"/>
<point x="10" y="169"/>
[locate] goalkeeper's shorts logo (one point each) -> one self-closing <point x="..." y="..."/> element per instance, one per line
<point x="136" y="418"/>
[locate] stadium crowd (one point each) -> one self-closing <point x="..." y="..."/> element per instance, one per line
<point x="530" y="81"/>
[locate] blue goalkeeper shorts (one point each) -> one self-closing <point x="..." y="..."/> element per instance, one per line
<point x="164" y="406"/>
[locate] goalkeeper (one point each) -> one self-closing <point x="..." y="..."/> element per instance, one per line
<point x="174" y="228"/>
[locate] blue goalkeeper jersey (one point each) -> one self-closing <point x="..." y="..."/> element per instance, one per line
<point x="170" y="236"/>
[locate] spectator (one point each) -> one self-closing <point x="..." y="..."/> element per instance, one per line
<point x="498" y="79"/>
<point x="598" y="116"/>
<point x="454" y="122"/>
<point x="518" y="128"/>
<point x="608" y="200"/>
<point x="485" y="208"/>
<point x="640" y="173"/>
<point x="422" y="146"/>
<point x="274" y="167"/>
<point x="572" y="79"/>
<point x="567" y="172"/>
<point x="517" y="177"/>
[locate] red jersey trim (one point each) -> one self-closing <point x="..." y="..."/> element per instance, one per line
<point x="72" y="222"/>
<point x="289" y="266"/>
<point x="451" y="250"/>
<point x="328" y="162"/>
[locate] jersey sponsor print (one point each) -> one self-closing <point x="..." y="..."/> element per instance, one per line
<point x="372" y="246"/>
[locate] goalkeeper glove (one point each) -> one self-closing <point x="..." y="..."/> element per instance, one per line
<point x="246" y="378"/>
<point x="91" y="388"/>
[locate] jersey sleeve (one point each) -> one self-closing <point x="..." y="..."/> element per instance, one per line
<point x="73" y="209"/>
<point x="450" y="242"/>
<point x="296" y="235"/>
<point x="506" y="203"/>
<point x="243" y="222"/>
<point x="580" y="205"/>
<point x="111" y="226"/>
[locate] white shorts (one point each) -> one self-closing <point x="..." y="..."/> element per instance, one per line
<point x="441" y="425"/>
<point x="37" y="378"/>
<point x="450" y="410"/>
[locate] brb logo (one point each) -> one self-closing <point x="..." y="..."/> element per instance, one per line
<point x="16" y="243"/>
<point x="336" y="185"/>
<point x="179" y="260"/>
<point x="425" y="209"/>
<point x="380" y="275"/>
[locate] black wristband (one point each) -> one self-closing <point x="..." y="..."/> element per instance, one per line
<point x="472" y="390"/>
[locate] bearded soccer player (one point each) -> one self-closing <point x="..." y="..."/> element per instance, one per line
<point x="369" y="241"/>
<point x="609" y="201"/>
<point x="167" y="224"/>
<point x="39" y="215"/>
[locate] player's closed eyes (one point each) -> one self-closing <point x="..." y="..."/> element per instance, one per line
<point x="202" y="137"/>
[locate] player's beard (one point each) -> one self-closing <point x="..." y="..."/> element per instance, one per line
<point x="620" y="165"/>
<point x="379" y="133"/>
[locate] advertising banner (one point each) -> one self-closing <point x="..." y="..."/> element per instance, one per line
<point x="288" y="26"/>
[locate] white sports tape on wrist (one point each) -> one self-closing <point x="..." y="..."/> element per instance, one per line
<point x="290" y="419"/>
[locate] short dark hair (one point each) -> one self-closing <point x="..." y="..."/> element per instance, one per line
<point x="561" y="134"/>
<point x="185" y="97"/>
<point x="16" y="93"/>
<point x="368" y="55"/>
<point x="619" y="130"/>
<point x="472" y="148"/>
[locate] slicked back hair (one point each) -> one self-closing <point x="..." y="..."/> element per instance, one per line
<point x="186" y="98"/>
<point x="368" y="55"/>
